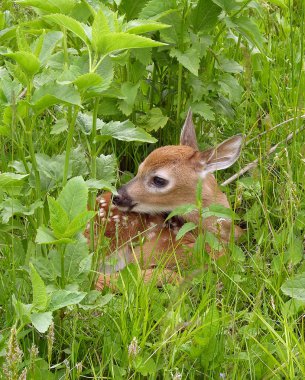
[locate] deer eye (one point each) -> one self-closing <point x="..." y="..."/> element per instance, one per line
<point x="159" y="181"/>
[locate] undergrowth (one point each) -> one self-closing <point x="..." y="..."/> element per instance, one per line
<point x="87" y="90"/>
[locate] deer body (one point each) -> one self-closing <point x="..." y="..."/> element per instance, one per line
<point x="167" y="178"/>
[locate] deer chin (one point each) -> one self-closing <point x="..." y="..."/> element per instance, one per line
<point x="150" y="209"/>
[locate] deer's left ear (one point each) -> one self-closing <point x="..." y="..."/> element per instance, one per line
<point x="188" y="133"/>
<point x="222" y="156"/>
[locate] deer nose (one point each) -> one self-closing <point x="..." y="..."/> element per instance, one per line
<point x="122" y="199"/>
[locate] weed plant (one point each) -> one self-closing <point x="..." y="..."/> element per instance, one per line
<point x="87" y="90"/>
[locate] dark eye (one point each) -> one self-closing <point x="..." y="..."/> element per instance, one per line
<point x="159" y="182"/>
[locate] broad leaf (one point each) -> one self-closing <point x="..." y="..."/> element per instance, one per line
<point x="203" y="109"/>
<point x="54" y="93"/>
<point x="182" y="210"/>
<point x="58" y="218"/>
<point x="78" y="224"/>
<point x="111" y="42"/>
<point x="46" y="236"/>
<point x="85" y="81"/>
<point x="153" y="120"/>
<point x="41" y="321"/>
<point x="205" y="16"/>
<point x="50" y="6"/>
<point x="63" y="298"/>
<point x="189" y="59"/>
<point x="29" y="63"/>
<point x="12" y="206"/>
<point x="9" y="181"/>
<point x="49" y="42"/>
<point x="40" y="297"/>
<point x="219" y="211"/>
<point x="71" y="24"/>
<point x="124" y="131"/>
<point x="295" y="287"/>
<point x="74" y="197"/>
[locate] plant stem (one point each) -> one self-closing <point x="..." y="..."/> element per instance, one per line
<point x="69" y="144"/>
<point x="62" y="266"/>
<point x="179" y="92"/>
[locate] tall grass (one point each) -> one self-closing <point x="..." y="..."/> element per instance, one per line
<point x="231" y="321"/>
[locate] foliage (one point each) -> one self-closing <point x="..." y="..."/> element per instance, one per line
<point x="87" y="84"/>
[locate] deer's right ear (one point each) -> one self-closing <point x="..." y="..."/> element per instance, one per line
<point x="188" y="134"/>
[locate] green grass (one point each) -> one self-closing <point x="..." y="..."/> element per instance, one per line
<point x="242" y="318"/>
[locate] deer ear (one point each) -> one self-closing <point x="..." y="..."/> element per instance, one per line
<point x="188" y="134"/>
<point x="222" y="156"/>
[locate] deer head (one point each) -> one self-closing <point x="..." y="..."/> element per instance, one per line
<point x="167" y="178"/>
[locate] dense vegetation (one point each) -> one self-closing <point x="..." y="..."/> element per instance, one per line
<point x="87" y="87"/>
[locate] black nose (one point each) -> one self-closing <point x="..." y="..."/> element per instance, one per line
<point x="122" y="199"/>
<point x="116" y="200"/>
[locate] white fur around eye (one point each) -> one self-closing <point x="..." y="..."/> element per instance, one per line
<point x="159" y="190"/>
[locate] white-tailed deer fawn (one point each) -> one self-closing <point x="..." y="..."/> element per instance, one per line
<point x="167" y="178"/>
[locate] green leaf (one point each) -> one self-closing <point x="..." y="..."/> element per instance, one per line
<point x="50" y="40"/>
<point x="99" y="26"/>
<point x="41" y="321"/>
<point x="74" y="197"/>
<point x="182" y="210"/>
<point x="125" y="131"/>
<point x="212" y="241"/>
<point x="153" y="120"/>
<point x="40" y="297"/>
<point x="219" y="211"/>
<point x="50" y="6"/>
<point x="46" y="236"/>
<point x="295" y="287"/>
<point x="54" y="93"/>
<point x="129" y="92"/>
<point x="9" y="181"/>
<point x="60" y="126"/>
<point x="110" y="42"/>
<point x="203" y="109"/>
<point x="58" y="218"/>
<point x="143" y="26"/>
<point x="71" y="24"/>
<point x="98" y="184"/>
<point x="106" y="167"/>
<point x="78" y="224"/>
<point x="12" y="206"/>
<point x="205" y="16"/>
<point x="28" y="62"/>
<point x="189" y="59"/>
<point x="85" y="81"/>
<point x="155" y="9"/>
<point x="63" y="298"/>
<point x="187" y="227"/>
<point x="248" y="29"/>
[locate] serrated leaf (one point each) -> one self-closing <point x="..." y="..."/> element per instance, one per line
<point x="85" y="81"/>
<point x="63" y="298"/>
<point x="74" y="197"/>
<point x="295" y="287"/>
<point x="99" y="26"/>
<point x="187" y="227"/>
<point x="71" y="24"/>
<point x="40" y="297"/>
<point x="28" y="62"/>
<point x="155" y="9"/>
<point x="54" y="93"/>
<point x="110" y="42"/>
<point x="205" y="16"/>
<point x="58" y="218"/>
<point x="189" y="59"/>
<point x="124" y="131"/>
<point x="129" y="92"/>
<point x="106" y="167"/>
<point x="78" y="224"/>
<point x="41" y="321"/>
<point x="46" y="236"/>
<point x="212" y="241"/>
<point x="50" y="40"/>
<point x="154" y="120"/>
<point x="203" y="109"/>
<point x="60" y="126"/>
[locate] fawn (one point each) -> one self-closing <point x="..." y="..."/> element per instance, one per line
<point x="167" y="178"/>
